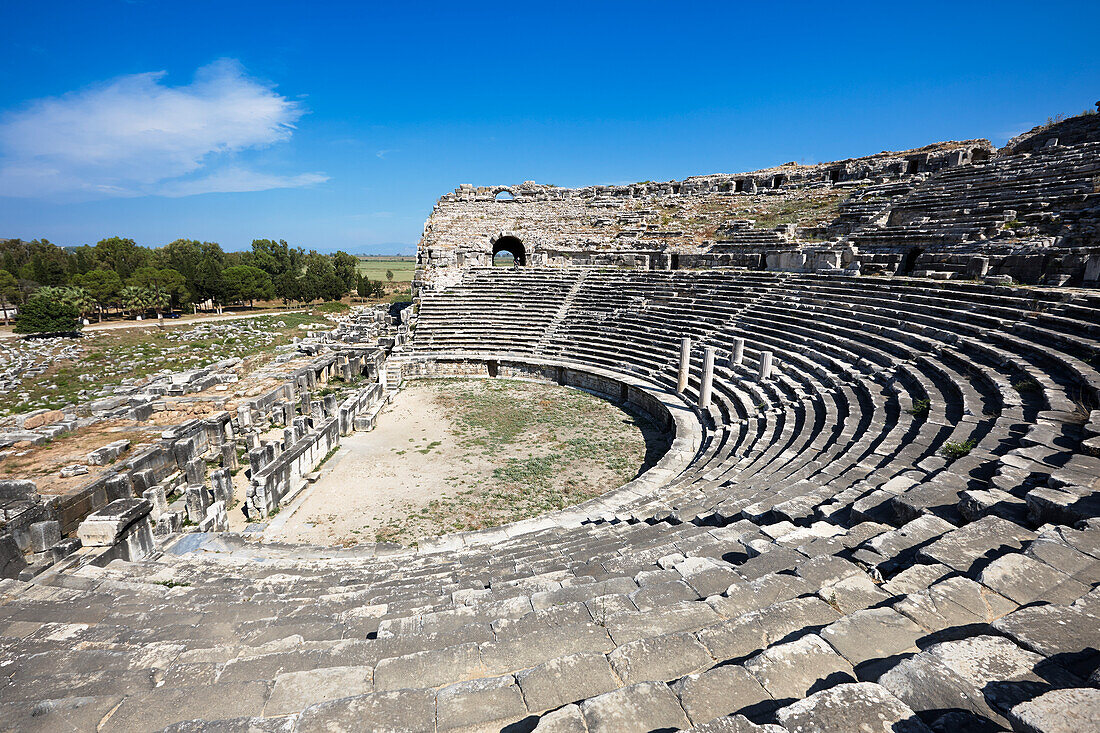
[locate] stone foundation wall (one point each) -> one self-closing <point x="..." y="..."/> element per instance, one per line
<point x="285" y="475"/>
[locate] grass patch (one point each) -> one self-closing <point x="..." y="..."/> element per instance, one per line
<point x="332" y="306"/>
<point x="540" y="448"/>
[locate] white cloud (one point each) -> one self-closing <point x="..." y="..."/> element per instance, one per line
<point x="135" y="136"/>
<point x="238" y="179"/>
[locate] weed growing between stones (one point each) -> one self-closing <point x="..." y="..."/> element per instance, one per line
<point x="920" y="409"/>
<point x="953" y="451"/>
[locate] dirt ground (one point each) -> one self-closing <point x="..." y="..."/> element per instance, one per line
<point x="464" y="454"/>
<point x="42" y="463"/>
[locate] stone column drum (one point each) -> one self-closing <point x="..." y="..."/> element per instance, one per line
<point x="708" y="378"/>
<point x="765" y="365"/>
<point x="737" y="353"/>
<point x="685" y="361"/>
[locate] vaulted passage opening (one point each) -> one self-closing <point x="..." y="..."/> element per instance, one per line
<point x="510" y="250"/>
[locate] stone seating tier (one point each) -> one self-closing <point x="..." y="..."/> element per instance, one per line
<point x="819" y="563"/>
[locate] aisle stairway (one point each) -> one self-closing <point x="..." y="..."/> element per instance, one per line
<point x="821" y="564"/>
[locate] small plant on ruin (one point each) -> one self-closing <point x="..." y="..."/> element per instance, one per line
<point x="328" y="455"/>
<point x="920" y="408"/>
<point x="953" y="451"/>
<point x="1027" y="386"/>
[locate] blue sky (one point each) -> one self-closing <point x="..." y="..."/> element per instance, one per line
<point x="337" y="125"/>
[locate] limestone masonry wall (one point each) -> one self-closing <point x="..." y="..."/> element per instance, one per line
<point x="947" y="210"/>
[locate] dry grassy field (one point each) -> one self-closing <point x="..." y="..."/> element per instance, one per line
<point x="375" y="268"/>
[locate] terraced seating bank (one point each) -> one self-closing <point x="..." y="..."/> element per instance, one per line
<point x="880" y="511"/>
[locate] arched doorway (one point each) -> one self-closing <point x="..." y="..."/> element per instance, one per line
<point x="509" y="245"/>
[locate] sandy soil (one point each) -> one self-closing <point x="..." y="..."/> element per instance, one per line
<point x="406" y="479"/>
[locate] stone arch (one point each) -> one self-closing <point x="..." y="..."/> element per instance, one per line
<point x="513" y="245"/>
<point x="503" y="193"/>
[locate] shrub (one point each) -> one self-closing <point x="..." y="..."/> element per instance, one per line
<point x="1024" y="386"/>
<point x="954" y="451"/>
<point x="920" y="408"/>
<point x="44" y="314"/>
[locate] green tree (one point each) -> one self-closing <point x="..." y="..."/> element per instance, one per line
<point x="82" y="260"/>
<point x="9" y="293"/>
<point x="121" y="255"/>
<point x="157" y="298"/>
<point x="346" y="267"/>
<point x="165" y="280"/>
<point x="183" y="256"/>
<point x="45" y="313"/>
<point x="209" y="283"/>
<point x="47" y="264"/>
<point x="389" y="275"/>
<point x="79" y="298"/>
<point x="102" y="285"/>
<point x="244" y="282"/>
<point x="134" y="299"/>
<point x="288" y="287"/>
<point x="371" y="288"/>
<point x="314" y="281"/>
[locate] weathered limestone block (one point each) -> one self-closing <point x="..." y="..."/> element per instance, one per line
<point x="221" y="482"/>
<point x="195" y="470"/>
<point x="856" y="706"/>
<point x="198" y="502"/>
<point x="38" y="418"/>
<point x="566" y="679"/>
<point x="638" y="708"/>
<point x="985" y="675"/>
<point x="294" y="691"/>
<point x="793" y="669"/>
<point x="44" y="535"/>
<point x="1073" y="710"/>
<point x="157" y="499"/>
<point x="123" y="524"/>
<point x="719" y="691"/>
<point x="489" y="703"/>
<point x="120" y="486"/>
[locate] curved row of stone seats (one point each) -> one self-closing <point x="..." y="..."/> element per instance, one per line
<point x="785" y="608"/>
<point x="937" y="379"/>
<point x="976" y="201"/>
<point x="735" y="619"/>
<point x="521" y="305"/>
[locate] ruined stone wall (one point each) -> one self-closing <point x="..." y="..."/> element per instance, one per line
<point x="644" y="224"/>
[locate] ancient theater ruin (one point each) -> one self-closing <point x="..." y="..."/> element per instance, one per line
<point x="875" y="506"/>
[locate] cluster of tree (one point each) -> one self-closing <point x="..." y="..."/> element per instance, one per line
<point x="118" y="274"/>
